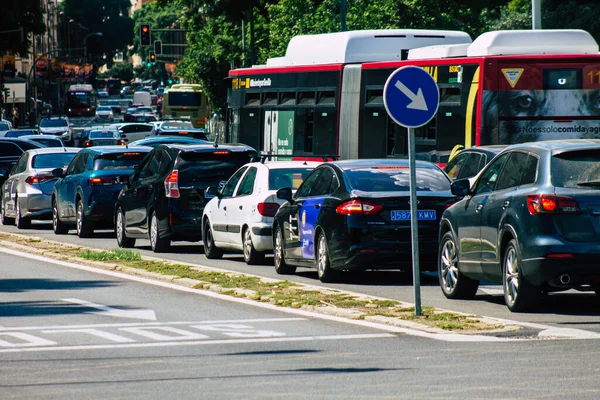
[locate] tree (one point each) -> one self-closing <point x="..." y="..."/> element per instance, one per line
<point x="25" y="14"/>
<point x="123" y="71"/>
<point x="85" y="17"/>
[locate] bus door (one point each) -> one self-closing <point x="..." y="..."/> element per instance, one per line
<point x="269" y="143"/>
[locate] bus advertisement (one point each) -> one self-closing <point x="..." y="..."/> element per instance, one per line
<point x="504" y="87"/>
<point x="80" y="100"/>
<point x="185" y="101"/>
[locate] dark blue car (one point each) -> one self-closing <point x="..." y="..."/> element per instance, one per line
<point x="84" y="197"/>
<point x="529" y="222"/>
<point x="355" y="214"/>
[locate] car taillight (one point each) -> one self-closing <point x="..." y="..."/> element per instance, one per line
<point x="357" y="207"/>
<point x="267" y="209"/>
<point x="89" y="143"/>
<point x="172" y="185"/>
<point x="120" y="142"/>
<point x="101" y="181"/>
<point x="30" y="180"/>
<point x="551" y="204"/>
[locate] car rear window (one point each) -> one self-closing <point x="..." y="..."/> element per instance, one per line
<point x="576" y="169"/>
<point x="57" y="160"/>
<point x="48" y="142"/>
<point x="104" y="135"/>
<point x="198" y="166"/>
<point x="396" y="178"/>
<point x="287" y="177"/>
<point x="118" y="160"/>
<point x="184" y="133"/>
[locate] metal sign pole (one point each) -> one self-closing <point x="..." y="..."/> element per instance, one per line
<point x="413" y="220"/>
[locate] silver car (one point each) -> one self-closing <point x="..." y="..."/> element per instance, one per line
<point x="27" y="193"/>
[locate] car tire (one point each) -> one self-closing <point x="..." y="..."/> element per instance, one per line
<point x="122" y="240"/>
<point x="3" y="218"/>
<point x="519" y="294"/>
<point x="58" y="227"/>
<point x="20" y="221"/>
<point x="281" y="266"/>
<point x="83" y="225"/>
<point x="157" y="243"/>
<point x="251" y="255"/>
<point x="324" y="270"/>
<point x="454" y="284"/>
<point x="211" y="251"/>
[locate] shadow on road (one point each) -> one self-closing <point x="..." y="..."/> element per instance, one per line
<point x="27" y="285"/>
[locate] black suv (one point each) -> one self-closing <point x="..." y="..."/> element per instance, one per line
<point x="165" y="197"/>
<point x="10" y="151"/>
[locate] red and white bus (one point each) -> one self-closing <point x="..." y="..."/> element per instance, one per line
<point x="326" y="95"/>
<point x="80" y="100"/>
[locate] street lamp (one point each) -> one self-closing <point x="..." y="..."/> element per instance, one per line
<point x="85" y="42"/>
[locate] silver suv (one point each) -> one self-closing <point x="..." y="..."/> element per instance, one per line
<point x="57" y="126"/>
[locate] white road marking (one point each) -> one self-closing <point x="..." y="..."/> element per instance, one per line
<point x="176" y="334"/>
<point x="93" y="332"/>
<point x="450" y="337"/>
<point x="204" y="342"/>
<point x="27" y="340"/>
<point x="114" y="312"/>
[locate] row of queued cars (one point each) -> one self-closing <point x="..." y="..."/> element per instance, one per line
<point x="528" y="219"/>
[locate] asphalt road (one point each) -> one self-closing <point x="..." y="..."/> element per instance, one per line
<point x="566" y="309"/>
<point x="73" y="334"/>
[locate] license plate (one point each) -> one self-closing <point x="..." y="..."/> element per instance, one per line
<point x="404" y="215"/>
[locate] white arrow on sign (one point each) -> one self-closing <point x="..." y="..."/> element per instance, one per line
<point x="115" y="312"/>
<point x="417" y="100"/>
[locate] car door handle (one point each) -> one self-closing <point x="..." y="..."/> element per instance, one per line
<point x="479" y="207"/>
<point x="505" y="204"/>
<point x="241" y="207"/>
<point x="224" y="208"/>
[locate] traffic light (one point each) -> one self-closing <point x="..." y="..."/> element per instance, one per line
<point x="145" y="34"/>
<point x="158" y="47"/>
<point x="152" y="57"/>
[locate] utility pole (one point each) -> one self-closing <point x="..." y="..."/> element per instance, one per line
<point x="536" y="14"/>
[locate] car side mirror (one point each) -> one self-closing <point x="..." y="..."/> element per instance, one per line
<point x="460" y="187"/>
<point x="285" y="194"/>
<point x="58" y="172"/>
<point x="212" y="191"/>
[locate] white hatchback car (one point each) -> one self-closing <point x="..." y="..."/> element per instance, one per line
<point x="240" y="216"/>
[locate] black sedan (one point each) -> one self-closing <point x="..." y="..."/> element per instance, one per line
<point x="529" y="222"/>
<point x="355" y="214"/>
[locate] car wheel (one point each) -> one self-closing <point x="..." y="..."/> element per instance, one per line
<point x="326" y="273"/>
<point x="453" y="283"/>
<point x="58" y="227"/>
<point x="22" y="222"/>
<point x="281" y="266"/>
<point x="4" y="219"/>
<point x="122" y="240"/>
<point x="210" y="250"/>
<point x="519" y="294"/>
<point x="157" y="243"/>
<point x="251" y="255"/>
<point x="84" y="226"/>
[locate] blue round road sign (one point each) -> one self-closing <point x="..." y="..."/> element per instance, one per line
<point x="411" y="96"/>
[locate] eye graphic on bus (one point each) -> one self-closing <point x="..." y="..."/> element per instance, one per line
<point x="562" y="81"/>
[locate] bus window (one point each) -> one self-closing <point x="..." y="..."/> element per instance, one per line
<point x="269" y="99"/>
<point x="397" y="140"/>
<point x="287" y="99"/>
<point x="427" y="131"/>
<point x="450" y="96"/>
<point x="374" y="96"/>
<point x="324" y="131"/>
<point x="372" y="136"/>
<point x="304" y="129"/>
<point x="307" y="98"/>
<point x="326" y="97"/>
<point x="253" y="99"/>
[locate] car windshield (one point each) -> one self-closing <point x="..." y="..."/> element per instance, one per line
<point x="144" y="110"/>
<point x="56" y="160"/>
<point x="208" y="166"/>
<point x="176" y="125"/>
<point x="104" y="135"/>
<point x="287" y="177"/>
<point x="53" y="123"/>
<point x="576" y="169"/>
<point x="104" y="109"/>
<point x="130" y="110"/>
<point x="118" y="160"/>
<point x="396" y="178"/>
<point x="47" y="142"/>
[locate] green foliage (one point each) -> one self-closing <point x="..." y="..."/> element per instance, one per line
<point x="123" y="71"/>
<point x="159" y="18"/>
<point x="113" y="255"/>
<point x="14" y="14"/>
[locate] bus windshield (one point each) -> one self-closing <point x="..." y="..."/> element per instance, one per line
<point x="189" y="99"/>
